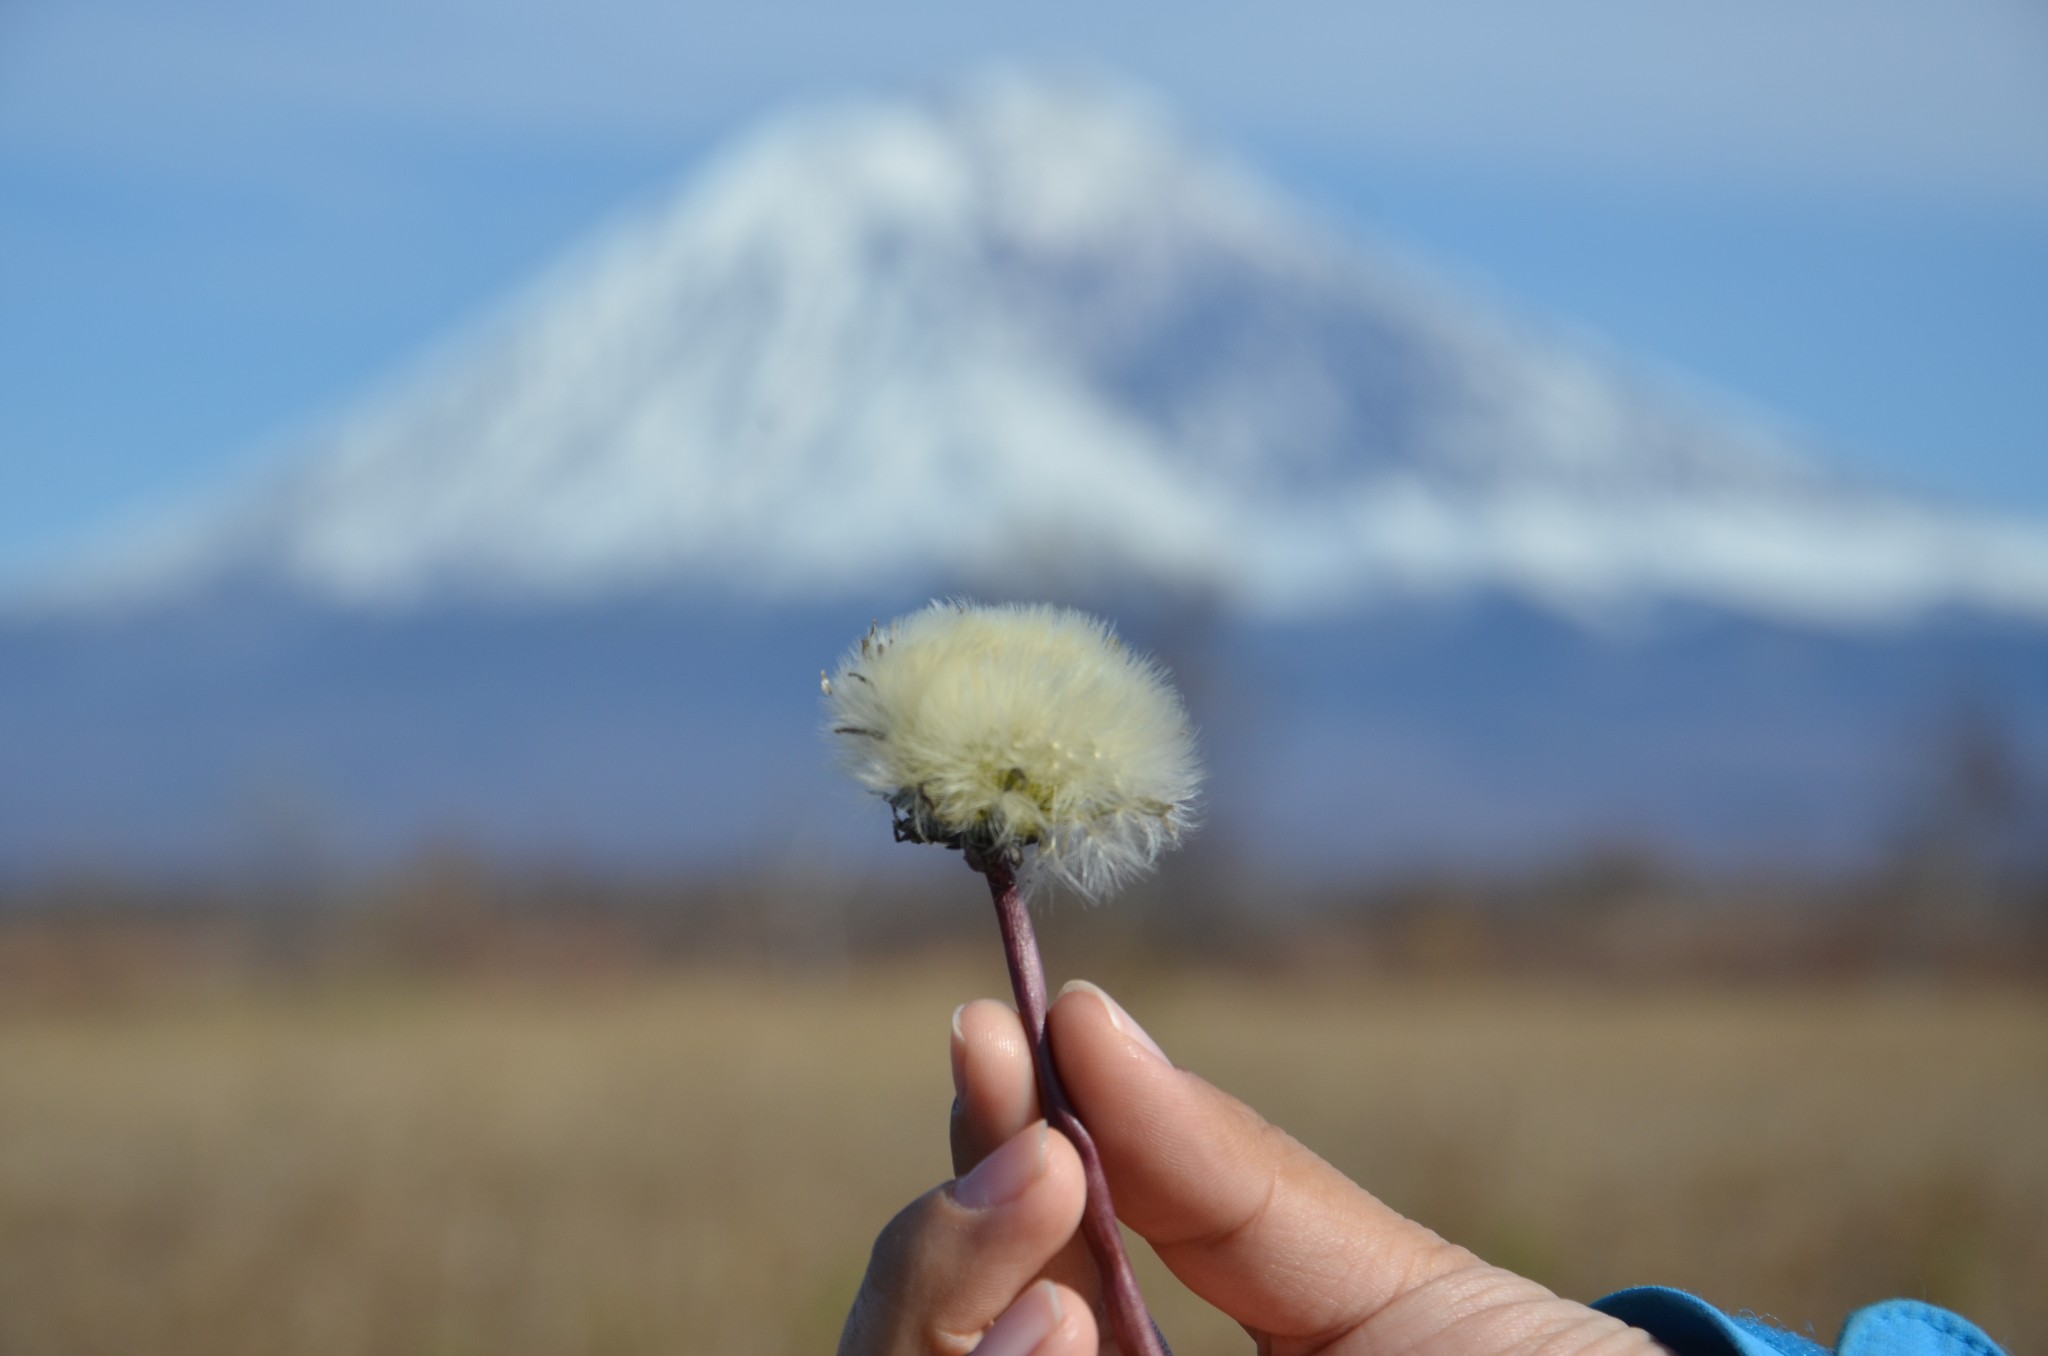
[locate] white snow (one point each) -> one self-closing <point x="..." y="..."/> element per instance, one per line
<point x="1027" y="325"/>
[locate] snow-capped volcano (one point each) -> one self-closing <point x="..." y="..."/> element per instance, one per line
<point x="1026" y="330"/>
<point x="1024" y="336"/>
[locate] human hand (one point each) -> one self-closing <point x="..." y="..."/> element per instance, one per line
<point x="1246" y="1217"/>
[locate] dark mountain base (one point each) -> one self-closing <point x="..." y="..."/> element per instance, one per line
<point x="664" y="734"/>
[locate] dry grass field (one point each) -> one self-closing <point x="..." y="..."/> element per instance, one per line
<point x="695" y="1163"/>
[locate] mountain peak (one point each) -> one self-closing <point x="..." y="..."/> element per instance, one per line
<point x="1026" y="326"/>
<point x="1054" y="164"/>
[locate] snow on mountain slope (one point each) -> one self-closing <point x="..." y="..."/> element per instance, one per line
<point x="1025" y="330"/>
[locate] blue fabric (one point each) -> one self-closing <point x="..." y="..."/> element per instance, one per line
<point x="1692" y="1327"/>
<point x="1904" y="1325"/>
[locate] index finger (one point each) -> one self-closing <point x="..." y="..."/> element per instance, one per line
<point x="1240" y="1211"/>
<point x="995" y="1090"/>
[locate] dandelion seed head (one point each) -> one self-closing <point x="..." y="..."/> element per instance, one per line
<point x="1025" y="730"/>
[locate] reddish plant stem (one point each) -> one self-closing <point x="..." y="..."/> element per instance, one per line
<point x="1129" y="1321"/>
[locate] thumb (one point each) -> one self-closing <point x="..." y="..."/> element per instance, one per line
<point x="1268" y="1232"/>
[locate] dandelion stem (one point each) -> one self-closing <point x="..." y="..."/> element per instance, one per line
<point x="1129" y="1321"/>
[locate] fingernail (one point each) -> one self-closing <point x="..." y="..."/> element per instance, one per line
<point x="1004" y="1174"/>
<point x="1024" y="1324"/>
<point x="1118" y="1018"/>
<point x="959" y="1053"/>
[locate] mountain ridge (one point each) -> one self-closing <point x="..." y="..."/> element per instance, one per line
<point x="1026" y="328"/>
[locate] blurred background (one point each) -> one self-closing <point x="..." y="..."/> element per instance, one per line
<point x="1587" y="470"/>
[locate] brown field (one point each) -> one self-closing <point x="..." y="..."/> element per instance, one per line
<point x="697" y="1162"/>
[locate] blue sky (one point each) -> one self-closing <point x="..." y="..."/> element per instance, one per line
<point x="224" y="219"/>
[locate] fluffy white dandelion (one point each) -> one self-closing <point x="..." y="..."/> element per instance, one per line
<point x="1033" y="741"/>
<point x="1029" y="732"/>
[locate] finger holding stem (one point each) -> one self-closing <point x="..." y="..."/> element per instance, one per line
<point x="1129" y="1321"/>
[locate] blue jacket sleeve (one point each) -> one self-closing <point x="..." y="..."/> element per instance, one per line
<point x="1692" y="1327"/>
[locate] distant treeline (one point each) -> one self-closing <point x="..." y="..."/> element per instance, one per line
<point x="1614" y="917"/>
